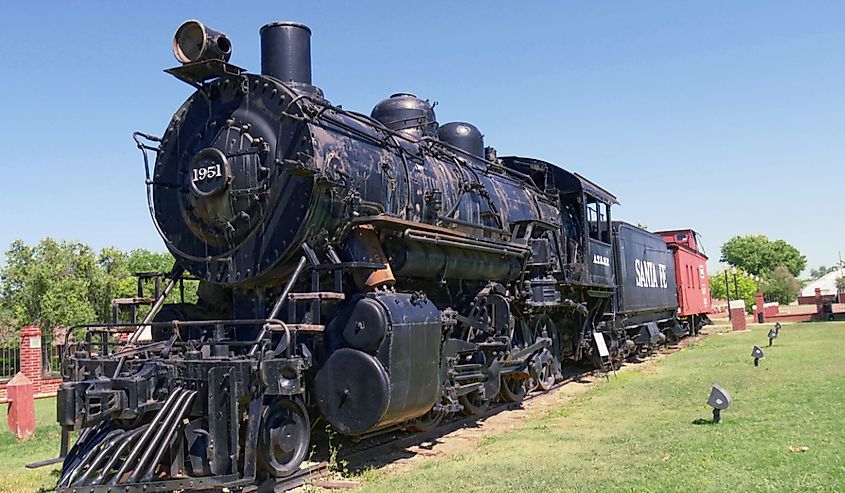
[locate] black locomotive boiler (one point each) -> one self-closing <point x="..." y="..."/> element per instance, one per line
<point x="373" y="271"/>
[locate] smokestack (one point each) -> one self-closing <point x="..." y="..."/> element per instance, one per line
<point x="286" y="52"/>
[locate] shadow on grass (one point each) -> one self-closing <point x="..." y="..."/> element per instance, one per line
<point x="703" y="421"/>
<point x="49" y="489"/>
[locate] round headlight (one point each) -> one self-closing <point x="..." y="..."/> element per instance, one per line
<point x="194" y="42"/>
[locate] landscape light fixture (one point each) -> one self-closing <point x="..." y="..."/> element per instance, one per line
<point x="757" y="354"/>
<point x="719" y="399"/>
<point x="773" y="334"/>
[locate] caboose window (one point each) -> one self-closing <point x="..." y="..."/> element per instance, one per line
<point x="698" y="245"/>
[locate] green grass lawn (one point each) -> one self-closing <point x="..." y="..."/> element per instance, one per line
<point x="14" y="455"/>
<point x="637" y="433"/>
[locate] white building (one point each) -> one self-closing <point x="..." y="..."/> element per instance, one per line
<point x="827" y="283"/>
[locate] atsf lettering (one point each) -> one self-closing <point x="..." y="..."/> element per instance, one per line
<point x="650" y="275"/>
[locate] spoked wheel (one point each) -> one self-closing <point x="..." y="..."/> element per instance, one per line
<point x="284" y="438"/>
<point x="514" y="387"/>
<point x="672" y="338"/>
<point x="474" y="403"/>
<point x="545" y="375"/>
<point x="426" y="422"/>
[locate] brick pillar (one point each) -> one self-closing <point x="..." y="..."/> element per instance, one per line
<point x="737" y="308"/>
<point x="31" y="355"/>
<point x="760" y="310"/>
<point x="21" y="413"/>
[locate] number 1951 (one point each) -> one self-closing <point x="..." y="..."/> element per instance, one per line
<point x="207" y="173"/>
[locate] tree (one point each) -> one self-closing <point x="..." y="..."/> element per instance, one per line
<point x="781" y="286"/>
<point x="141" y="260"/>
<point x="759" y="256"/>
<point x="786" y="255"/>
<point x="61" y="283"/>
<point x="118" y="269"/>
<point x="840" y="284"/>
<point x="50" y="284"/>
<point x="821" y="271"/>
<point x="747" y="284"/>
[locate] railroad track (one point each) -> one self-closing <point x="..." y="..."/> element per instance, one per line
<point x="359" y="456"/>
<point x="369" y="454"/>
<point x="374" y="450"/>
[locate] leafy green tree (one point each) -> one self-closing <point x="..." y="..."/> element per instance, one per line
<point x="840" y="284"/>
<point x="759" y="256"/>
<point x="786" y="255"/>
<point x="143" y="261"/>
<point x="748" y="286"/>
<point x="113" y="273"/>
<point x="61" y="283"/>
<point x="50" y="284"/>
<point x="821" y="271"/>
<point x="781" y="286"/>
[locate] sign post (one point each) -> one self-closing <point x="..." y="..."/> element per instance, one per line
<point x="601" y="345"/>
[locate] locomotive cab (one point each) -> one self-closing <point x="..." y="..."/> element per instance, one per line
<point x="599" y="248"/>
<point x="585" y="222"/>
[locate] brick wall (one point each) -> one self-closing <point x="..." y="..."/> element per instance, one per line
<point x="31" y="364"/>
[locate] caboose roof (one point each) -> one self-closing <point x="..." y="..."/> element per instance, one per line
<point x="679" y="230"/>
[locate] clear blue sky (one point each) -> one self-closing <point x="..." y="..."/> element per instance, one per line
<point x="724" y="116"/>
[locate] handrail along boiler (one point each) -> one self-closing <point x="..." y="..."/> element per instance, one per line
<point x="376" y="271"/>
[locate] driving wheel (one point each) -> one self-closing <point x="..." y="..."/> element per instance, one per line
<point x="284" y="437"/>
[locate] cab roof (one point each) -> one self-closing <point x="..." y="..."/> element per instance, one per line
<point x="549" y="177"/>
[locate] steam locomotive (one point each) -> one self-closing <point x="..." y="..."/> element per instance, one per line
<point x="375" y="271"/>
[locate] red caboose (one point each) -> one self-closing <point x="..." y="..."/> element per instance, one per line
<point x="691" y="274"/>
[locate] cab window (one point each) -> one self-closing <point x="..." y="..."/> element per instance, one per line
<point x="598" y="220"/>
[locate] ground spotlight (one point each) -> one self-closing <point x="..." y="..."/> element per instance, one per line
<point x="773" y="334"/>
<point x="757" y="354"/>
<point x="719" y="399"/>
